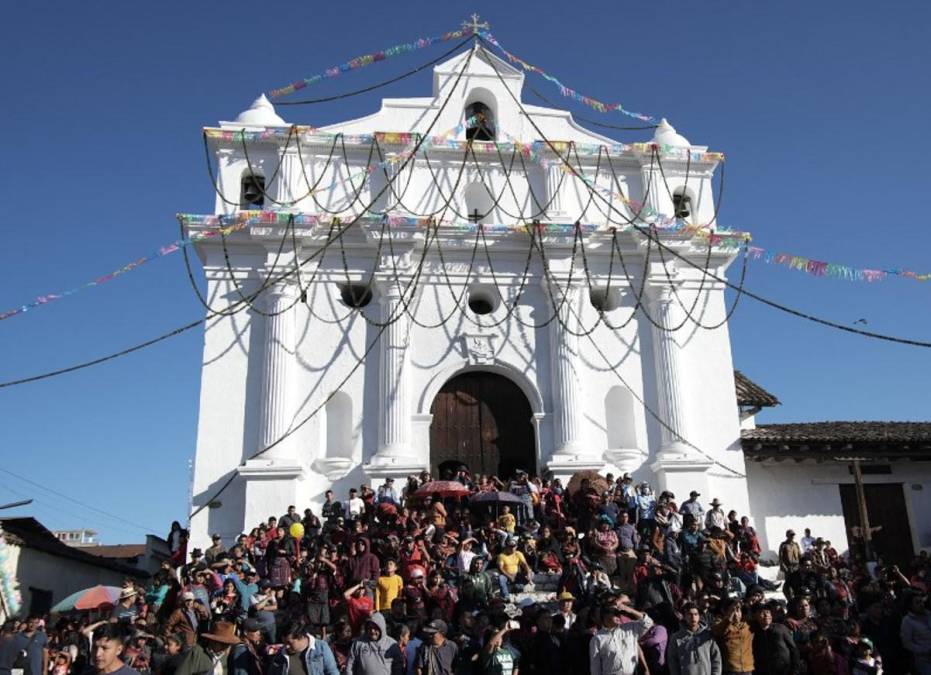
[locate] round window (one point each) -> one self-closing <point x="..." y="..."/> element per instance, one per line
<point x="356" y="296"/>
<point x="482" y="300"/>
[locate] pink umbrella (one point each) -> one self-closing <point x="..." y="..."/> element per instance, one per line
<point x="98" y="597"/>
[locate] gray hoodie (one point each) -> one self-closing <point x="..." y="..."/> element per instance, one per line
<point x="697" y="653"/>
<point x="375" y="657"/>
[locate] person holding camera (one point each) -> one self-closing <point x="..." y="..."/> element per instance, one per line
<point x="499" y="656"/>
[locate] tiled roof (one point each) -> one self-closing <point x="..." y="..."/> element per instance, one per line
<point x="750" y="394"/>
<point x="120" y="551"/>
<point x="834" y="439"/>
<point x="30" y="533"/>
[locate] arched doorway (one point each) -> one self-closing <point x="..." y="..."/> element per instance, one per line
<point x="482" y="420"/>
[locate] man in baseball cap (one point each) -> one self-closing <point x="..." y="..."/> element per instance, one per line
<point x="437" y="655"/>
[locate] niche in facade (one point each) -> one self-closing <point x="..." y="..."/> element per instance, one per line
<point x="619" y="419"/>
<point x="252" y="191"/>
<point x="480" y="122"/>
<point x="338" y="415"/>
<point x="682" y="203"/>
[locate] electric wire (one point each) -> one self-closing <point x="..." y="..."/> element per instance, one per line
<point x="198" y="322"/>
<point x="77" y="501"/>
<point x="391" y="319"/>
<point x="754" y="296"/>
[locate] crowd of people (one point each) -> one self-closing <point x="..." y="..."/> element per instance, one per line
<point x="605" y="578"/>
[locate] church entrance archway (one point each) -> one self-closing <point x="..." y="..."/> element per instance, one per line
<point x="484" y="421"/>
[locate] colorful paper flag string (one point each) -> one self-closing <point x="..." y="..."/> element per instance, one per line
<point x="369" y="59"/>
<point x="567" y="92"/>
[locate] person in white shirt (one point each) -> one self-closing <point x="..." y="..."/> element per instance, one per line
<point x="715" y="518"/>
<point x="807" y="542"/>
<point x="614" y="649"/>
<point x="465" y="555"/>
<point x="355" y="506"/>
<point x="387" y="494"/>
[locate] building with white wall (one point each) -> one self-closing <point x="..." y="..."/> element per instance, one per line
<point x="45" y="570"/>
<point x="413" y="292"/>
<point x="813" y="466"/>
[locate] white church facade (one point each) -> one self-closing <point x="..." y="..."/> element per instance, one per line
<point x="451" y="279"/>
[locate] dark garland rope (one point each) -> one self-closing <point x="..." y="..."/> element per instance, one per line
<point x="689" y="311"/>
<point x="357" y="191"/>
<point x="359" y="361"/>
<point x="365" y="90"/>
<point x="542" y="208"/>
<point x="214" y="181"/>
<point x="506" y="171"/>
<point x="551" y="281"/>
<point x="271" y="269"/>
<point x="705" y="269"/>
<point x="755" y="296"/>
<point x="189" y="326"/>
<point x="398" y="198"/>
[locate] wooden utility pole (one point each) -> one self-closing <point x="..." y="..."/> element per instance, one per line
<point x="865" y="531"/>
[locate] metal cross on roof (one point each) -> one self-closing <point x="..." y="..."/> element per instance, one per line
<point x="476" y="24"/>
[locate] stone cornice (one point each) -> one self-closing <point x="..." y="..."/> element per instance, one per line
<point x="699" y="157"/>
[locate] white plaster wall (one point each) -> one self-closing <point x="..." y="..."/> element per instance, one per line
<point x="332" y="338"/>
<point x="61" y="576"/>
<point x="795" y="496"/>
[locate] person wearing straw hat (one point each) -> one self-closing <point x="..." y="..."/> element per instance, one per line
<point x="565" y="600"/>
<point x="125" y="610"/>
<point x="715" y="518"/>
<point x="215" y="655"/>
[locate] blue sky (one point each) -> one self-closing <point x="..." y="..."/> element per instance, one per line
<point x="820" y="107"/>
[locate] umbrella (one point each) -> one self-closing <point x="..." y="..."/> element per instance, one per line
<point x="496" y="497"/>
<point x="445" y="488"/>
<point x="89" y="598"/>
<point x="598" y="481"/>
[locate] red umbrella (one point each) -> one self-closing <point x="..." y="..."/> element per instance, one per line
<point x="97" y="597"/>
<point x="445" y="488"/>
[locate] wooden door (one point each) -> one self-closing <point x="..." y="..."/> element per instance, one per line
<point x="885" y="505"/>
<point x="482" y="420"/>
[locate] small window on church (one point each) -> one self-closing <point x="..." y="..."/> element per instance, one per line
<point x="482" y="299"/>
<point x="682" y="203"/>
<point x="356" y="296"/>
<point x="480" y="122"/>
<point x="252" y="192"/>
<point x="602" y="299"/>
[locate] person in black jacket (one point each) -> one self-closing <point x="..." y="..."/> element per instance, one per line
<point x="774" y="650"/>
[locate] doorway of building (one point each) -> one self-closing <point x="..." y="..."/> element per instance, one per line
<point x="484" y="421"/>
<point x="886" y="509"/>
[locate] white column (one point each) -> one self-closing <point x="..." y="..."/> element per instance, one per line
<point x="553" y="200"/>
<point x="278" y="365"/>
<point x="564" y="351"/>
<point x="665" y="310"/>
<point x="652" y="184"/>
<point x="289" y="177"/>
<point x="394" y="370"/>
